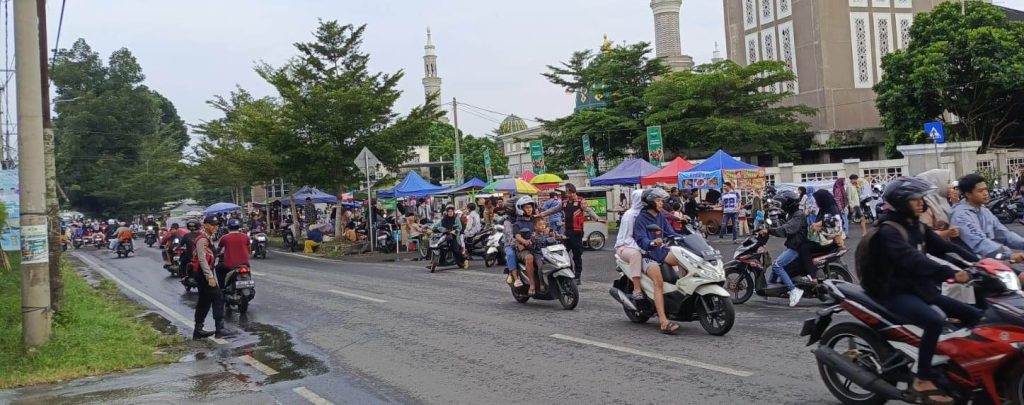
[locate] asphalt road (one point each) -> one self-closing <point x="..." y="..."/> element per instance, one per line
<point x="392" y="332"/>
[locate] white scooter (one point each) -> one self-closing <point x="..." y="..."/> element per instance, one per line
<point x="555" y="278"/>
<point x="698" y="295"/>
<point x="495" y="253"/>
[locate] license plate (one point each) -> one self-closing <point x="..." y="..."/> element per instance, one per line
<point x="244" y="284"/>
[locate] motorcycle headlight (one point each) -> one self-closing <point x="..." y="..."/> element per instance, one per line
<point x="261" y="238"/>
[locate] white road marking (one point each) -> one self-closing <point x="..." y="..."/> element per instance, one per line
<point x="167" y="310"/>
<point x="677" y="360"/>
<point x="362" y="297"/>
<point x="263" y="368"/>
<point x="311" y="396"/>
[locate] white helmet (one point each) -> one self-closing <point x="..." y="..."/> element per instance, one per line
<point x="523" y="201"/>
<point x="111" y="222"/>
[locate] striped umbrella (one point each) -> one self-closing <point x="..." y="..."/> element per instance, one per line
<point x="514" y="186"/>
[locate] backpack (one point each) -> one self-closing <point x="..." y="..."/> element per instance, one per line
<point x="868" y="264"/>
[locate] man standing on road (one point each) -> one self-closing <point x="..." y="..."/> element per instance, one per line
<point x="555" y="220"/>
<point x="209" y="289"/>
<point x="574" y="209"/>
<point x="730" y="207"/>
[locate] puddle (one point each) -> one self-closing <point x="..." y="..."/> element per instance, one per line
<point x="159" y="323"/>
<point x="276" y="349"/>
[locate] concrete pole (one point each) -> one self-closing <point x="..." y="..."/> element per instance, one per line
<point x="35" y="277"/>
<point x="52" y="205"/>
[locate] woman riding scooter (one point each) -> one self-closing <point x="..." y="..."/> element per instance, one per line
<point x="653" y="243"/>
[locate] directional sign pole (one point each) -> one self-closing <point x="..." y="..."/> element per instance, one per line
<point x="369" y="201"/>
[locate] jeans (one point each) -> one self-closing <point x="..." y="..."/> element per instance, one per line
<point x="510" y="259"/>
<point x="726" y="217"/>
<point x="919" y="313"/>
<point x="557" y="226"/>
<point x="779" y="268"/>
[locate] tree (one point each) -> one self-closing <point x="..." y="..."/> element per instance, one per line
<point x="621" y="75"/>
<point x="969" y="65"/>
<point x="723" y="105"/>
<point x="106" y="118"/>
<point x="442" y="147"/>
<point x="333" y="107"/>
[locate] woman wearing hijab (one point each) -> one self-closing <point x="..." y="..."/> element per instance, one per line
<point x="625" y="245"/>
<point x="937" y="208"/>
<point x="839" y="196"/>
<point x="826" y="208"/>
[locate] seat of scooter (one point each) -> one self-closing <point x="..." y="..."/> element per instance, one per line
<point x="854" y="292"/>
<point x="668" y="274"/>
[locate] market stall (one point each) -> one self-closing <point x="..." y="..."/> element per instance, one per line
<point x="669" y="174"/>
<point x="712" y="174"/>
<point x="629" y="172"/>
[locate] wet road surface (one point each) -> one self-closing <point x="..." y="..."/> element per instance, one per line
<point x="392" y="332"/>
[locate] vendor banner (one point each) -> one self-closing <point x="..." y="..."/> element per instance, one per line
<point x="458" y="169"/>
<point x="700" y="180"/>
<point x="10" y="197"/>
<point x="537" y="156"/>
<point x="746" y="179"/>
<point x="588" y="157"/>
<point x="655" y="149"/>
<point x="487" y="166"/>
<point x="599" y="205"/>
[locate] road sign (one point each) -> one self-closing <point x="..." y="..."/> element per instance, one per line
<point x="366" y="161"/>
<point x="935" y="131"/>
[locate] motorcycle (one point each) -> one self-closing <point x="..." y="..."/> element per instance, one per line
<point x="150" y="236"/>
<point x="867" y="360"/>
<point x="555" y="277"/>
<point x="258" y="245"/>
<point x="289" y="239"/>
<point x="177" y="249"/>
<point x="698" y="295"/>
<point x="239" y="288"/>
<point x="440" y="254"/>
<point x="99" y="240"/>
<point x="77" y="241"/>
<point x="774" y="213"/>
<point x="387" y="238"/>
<point x="746" y="274"/>
<point x="476" y="245"/>
<point x="124" y="248"/>
<point x="495" y="253"/>
<point x="1005" y="208"/>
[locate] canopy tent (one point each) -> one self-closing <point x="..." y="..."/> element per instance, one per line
<point x="411" y="186"/>
<point x="527" y="175"/>
<point x="472" y="185"/>
<point x="182" y="210"/>
<point x="721" y="168"/>
<point x="222" y="208"/>
<point x="313" y="193"/>
<point x="514" y="186"/>
<point x="669" y="174"/>
<point x="628" y="172"/>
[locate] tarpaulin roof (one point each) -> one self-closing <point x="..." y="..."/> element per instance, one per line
<point x="721" y="161"/>
<point x="668" y="174"/>
<point x="412" y="186"/>
<point x="313" y="193"/>
<point x="474" y="184"/>
<point x="628" y="172"/>
<point x="222" y="208"/>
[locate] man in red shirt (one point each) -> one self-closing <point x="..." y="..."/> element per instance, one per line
<point x="169" y="236"/>
<point x="235" y="248"/>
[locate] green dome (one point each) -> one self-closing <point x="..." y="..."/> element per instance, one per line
<point x="511" y="124"/>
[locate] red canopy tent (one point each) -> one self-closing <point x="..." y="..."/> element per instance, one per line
<point x="669" y="174"/>
<point x="527" y="175"/>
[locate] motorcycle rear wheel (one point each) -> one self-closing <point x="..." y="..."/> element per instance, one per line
<point x="570" y="294"/>
<point x="243" y="308"/>
<point x="743" y="282"/>
<point x="870" y="347"/>
<point x="635" y="317"/>
<point x="716" y="313"/>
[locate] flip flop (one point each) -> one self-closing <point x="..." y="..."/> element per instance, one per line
<point x="673" y="328"/>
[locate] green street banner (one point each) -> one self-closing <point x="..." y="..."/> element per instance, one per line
<point x="588" y="157"/>
<point x="487" y="166"/>
<point x="537" y="156"/>
<point x="458" y="169"/>
<point x="655" y="150"/>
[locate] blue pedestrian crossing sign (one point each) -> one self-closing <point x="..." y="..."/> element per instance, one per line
<point x="935" y="132"/>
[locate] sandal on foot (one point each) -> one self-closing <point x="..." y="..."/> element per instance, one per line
<point x="532" y="292"/>
<point x="672" y="329"/>
<point x="518" y="284"/>
<point x="925" y="397"/>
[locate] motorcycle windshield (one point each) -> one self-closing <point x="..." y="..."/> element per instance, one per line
<point x="697" y="244"/>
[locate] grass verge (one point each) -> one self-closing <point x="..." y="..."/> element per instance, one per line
<point x="97" y="332"/>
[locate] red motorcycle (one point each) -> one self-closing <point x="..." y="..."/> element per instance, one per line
<point x="872" y="361"/>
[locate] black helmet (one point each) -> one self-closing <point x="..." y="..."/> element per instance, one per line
<point x="211" y="220"/>
<point x="788" y="200"/>
<point x="650" y="195"/>
<point x="510" y="206"/>
<point x="234" y="224"/>
<point x="898" y="192"/>
<point x="174" y="225"/>
<point x="192" y="225"/>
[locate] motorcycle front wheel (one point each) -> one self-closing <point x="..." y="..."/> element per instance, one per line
<point x="433" y="263"/>
<point x="716" y="314"/>
<point x="569" y="295"/>
<point x="740" y="284"/>
<point x="490" y="261"/>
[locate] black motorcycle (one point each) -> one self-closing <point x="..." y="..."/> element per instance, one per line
<point x="476" y="245"/>
<point x="258" y="244"/>
<point x="440" y="249"/>
<point x="289" y="239"/>
<point x="150" y="236"/>
<point x="239" y="288"/>
<point x="124" y="249"/>
<point x="1005" y="208"/>
<point x="386" y="234"/>
<point x="747" y="273"/>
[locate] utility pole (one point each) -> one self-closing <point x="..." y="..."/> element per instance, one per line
<point x="52" y="207"/>
<point x="458" y="150"/>
<point x="35" y="277"/>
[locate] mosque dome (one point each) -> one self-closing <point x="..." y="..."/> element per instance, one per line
<point x="511" y="124"/>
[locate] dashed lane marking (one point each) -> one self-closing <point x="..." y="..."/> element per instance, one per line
<point x="263" y="368"/>
<point x="362" y="297"/>
<point x="673" y="359"/>
<point x="311" y="396"/>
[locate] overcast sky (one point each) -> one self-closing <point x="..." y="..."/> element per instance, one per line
<point x="490" y="53"/>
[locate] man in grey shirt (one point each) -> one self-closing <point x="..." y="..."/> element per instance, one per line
<point x="980" y="230"/>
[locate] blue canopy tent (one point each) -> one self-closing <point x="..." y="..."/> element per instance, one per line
<point x="720" y="168"/>
<point x="222" y="208"/>
<point x="629" y="172"/>
<point x="472" y="185"/>
<point x="313" y="193"/>
<point x="412" y="186"/>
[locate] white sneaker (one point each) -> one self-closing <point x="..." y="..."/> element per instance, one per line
<point x="794" y="296"/>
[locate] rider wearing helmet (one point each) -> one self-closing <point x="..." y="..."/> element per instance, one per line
<point x="522" y="231"/>
<point x="193" y="227"/>
<point x="795" y="232"/>
<point x="176" y="231"/>
<point x="906" y="281"/>
<point x="509" y="209"/>
<point x="150" y="221"/>
<point x="234" y="247"/>
<point x="451" y="223"/>
<point x="653" y="244"/>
